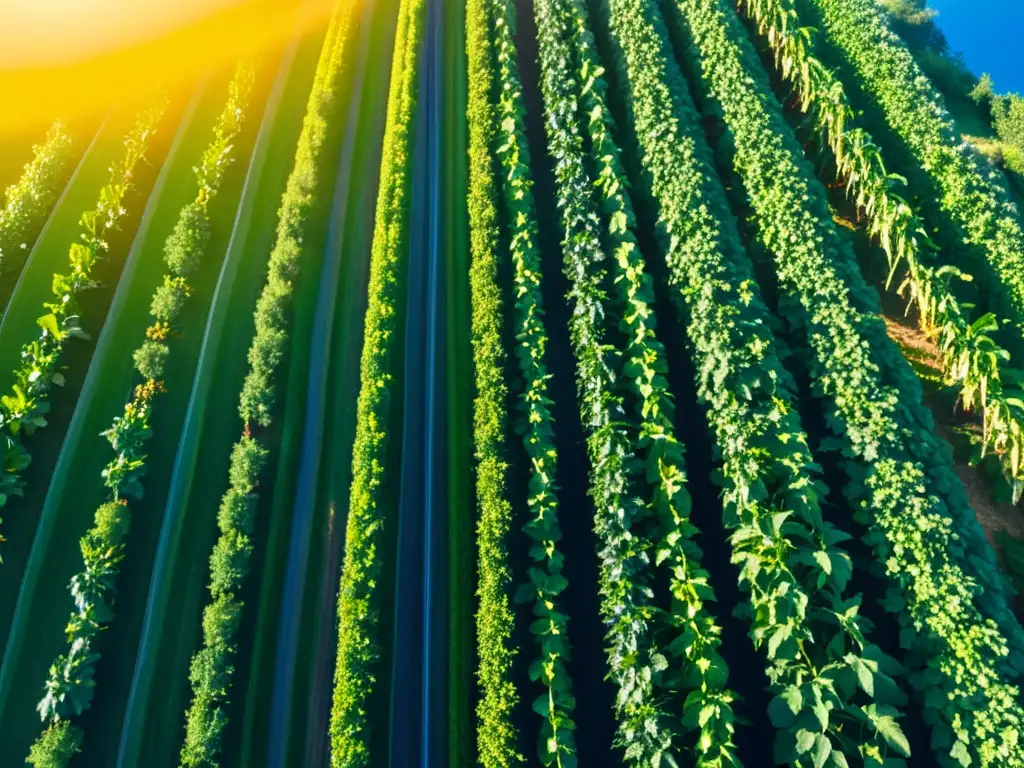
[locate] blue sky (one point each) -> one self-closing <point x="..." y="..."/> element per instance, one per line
<point x="990" y="34"/>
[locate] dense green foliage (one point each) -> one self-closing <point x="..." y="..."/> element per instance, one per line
<point x="495" y="620"/>
<point x="902" y="483"/>
<point x="971" y="359"/>
<point x="971" y="197"/>
<point x="1013" y="556"/>
<point x="56" y="747"/>
<point x="212" y="666"/>
<point x="1007" y="110"/>
<point x="71" y="682"/>
<point x="534" y="421"/>
<point x="771" y="484"/>
<point x="599" y="249"/>
<point x="29" y="201"/>
<point x="556" y="743"/>
<point x="698" y="678"/>
<point x="24" y="409"/>
<point x="358" y="603"/>
<point x="719" y="161"/>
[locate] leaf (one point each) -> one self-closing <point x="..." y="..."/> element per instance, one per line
<point x="780" y="713"/>
<point x="865" y="674"/>
<point x="822" y="750"/>
<point x="778" y="637"/>
<point x="805" y="740"/>
<point x="794" y="698"/>
<point x="885" y="723"/>
<point x="960" y="753"/>
<point x="824" y="561"/>
<point x="50" y="324"/>
<point x="542" y="705"/>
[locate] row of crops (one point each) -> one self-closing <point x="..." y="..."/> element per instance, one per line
<point x="516" y="383"/>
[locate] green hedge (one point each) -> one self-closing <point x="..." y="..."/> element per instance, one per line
<point x="212" y="667"/>
<point x="495" y="621"/>
<point x="30" y="201"/>
<point x="358" y="603"/>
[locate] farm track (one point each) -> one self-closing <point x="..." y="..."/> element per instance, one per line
<point x="417" y="735"/>
<point x="460" y="550"/>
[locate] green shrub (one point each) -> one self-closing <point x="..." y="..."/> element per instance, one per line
<point x="220" y="620"/>
<point x="55" y="746"/>
<point x="184" y="247"/>
<point x="229" y="562"/>
<point x="169" y="299"/>
<point x="237" y="511"/>
<point x="110" y="524"/>
<point x="247" y="459"/>
<point x="151" y="359"/>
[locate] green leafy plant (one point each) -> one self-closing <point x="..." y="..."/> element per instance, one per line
<point x="550" y="628"/>
<point x="969" y="196"/>
<point x="212" y="668"/>
<point x="71" y="682"/>
<point x="943" y="588"/>
<point x="23" y="410"/>
<point x="358" y="603"/>
<point x="972" y="361"/>
<point x="30" y="200"/>
<point x="495" y="620"/>
<point x="788" y="555"/>
<point x="687" y="629"/>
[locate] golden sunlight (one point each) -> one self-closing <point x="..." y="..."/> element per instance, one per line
<point x="59" y="31"/>
<point x="66" y="58"/>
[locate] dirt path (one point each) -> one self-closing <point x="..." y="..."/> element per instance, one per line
<point x="417" y="717"/>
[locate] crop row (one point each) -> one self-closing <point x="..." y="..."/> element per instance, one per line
<point x="24" y="409"/>
<point x="30" y="200"/>
<point x="495" y="620"/>
<point x="970" y="196"/>
<point x="556" y="744"/>
<point x="792" y="568"/>
<point x="971" y="359"/>
<point x="625" y="556"/>
<point x="212" y="666"/>
<point x="910" y="502"/>
<point x="698" y="675"/>
<point x="358" y="652"/>
<point x="71" y="683"/>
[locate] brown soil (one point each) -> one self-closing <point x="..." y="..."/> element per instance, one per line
<point x="918" y="348"/>
<point x="995" y="517"/>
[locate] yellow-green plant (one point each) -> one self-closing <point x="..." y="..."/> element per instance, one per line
<point x="71" y="682"/>
<point x="30" y="200"/>
<point x="358" y="602"/>
<point x="23" y="410"/>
